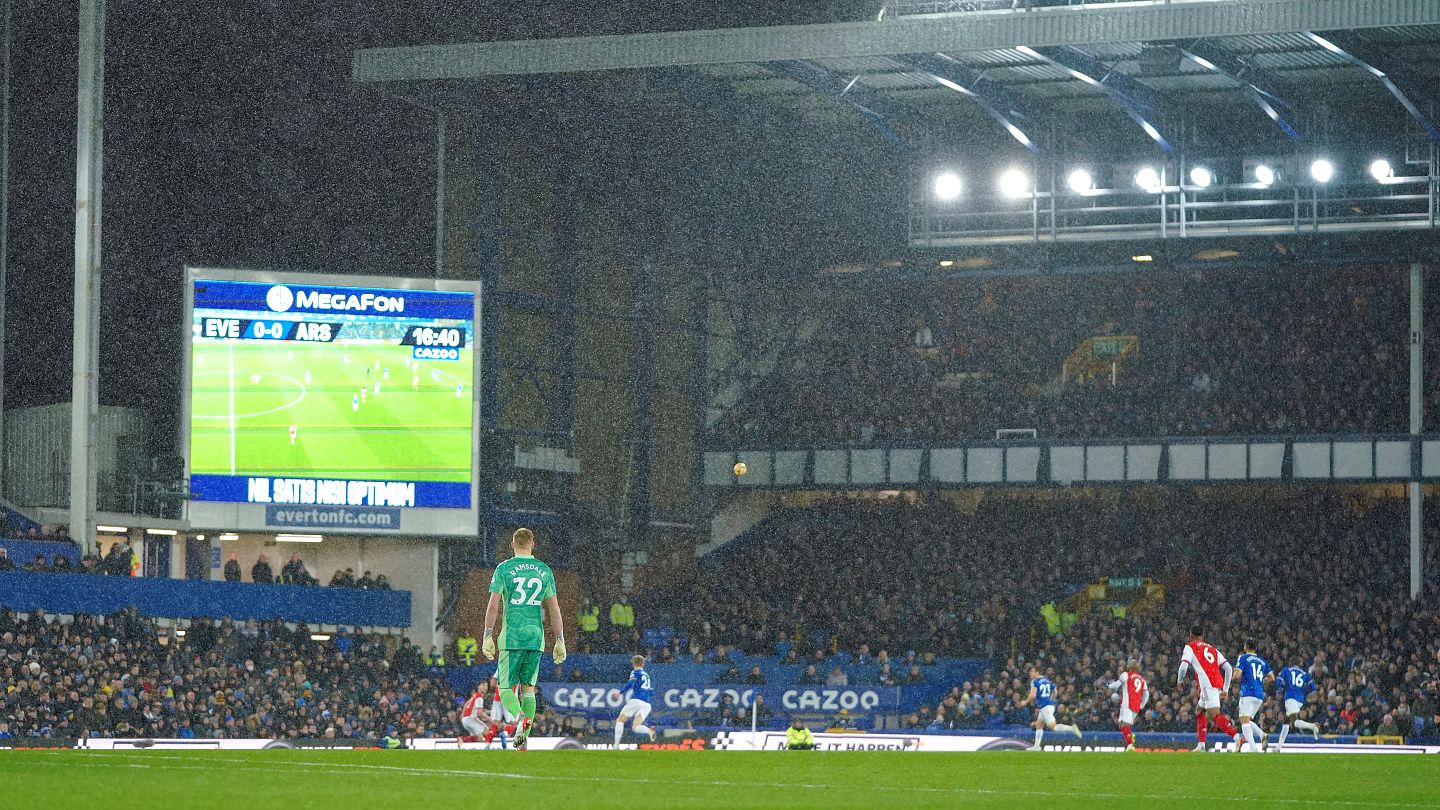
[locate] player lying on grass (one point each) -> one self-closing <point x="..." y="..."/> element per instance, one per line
<point x="638" y="706"/>
<point x="1042" y="692"/>
<point x="1135" y="694"/>
<point x="481" y="725"/>
<point x="528" y="589"/>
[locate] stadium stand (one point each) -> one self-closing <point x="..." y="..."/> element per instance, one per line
<point x="946" y="600"/>
<point x="125" y="675"/>
<point x="1220" y="353"/>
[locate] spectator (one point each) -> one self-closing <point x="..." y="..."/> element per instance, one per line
<point x="232" y="569"/>
<point x="61" y="565"/>
<point x="117" y="559"/>
<point x="261" y="572"/>
<point x="366" y="581"/>
<point x="756" y="676"/>
<point x="810" y="677"/>
<point x="837" y="677"/>
<point x="730" y="675"/>
<point x="38" y="566"/>
<point x="6" y="564"/>
<point x="914" y="676"/>
<point x="294" y="572"/>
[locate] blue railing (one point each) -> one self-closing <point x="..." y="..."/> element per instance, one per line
<point x="183" y="599"/>
<point x="23" y="552"/>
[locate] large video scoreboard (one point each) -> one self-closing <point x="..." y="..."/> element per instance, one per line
<point x="331" y="402"/>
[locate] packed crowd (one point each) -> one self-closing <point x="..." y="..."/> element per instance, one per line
<point x="124" y="676"/>
<point x="1218" y="353"/>
<point x="1319" y="579"/>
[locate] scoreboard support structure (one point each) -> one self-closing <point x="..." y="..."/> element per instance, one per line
<point x="89" y="172"/>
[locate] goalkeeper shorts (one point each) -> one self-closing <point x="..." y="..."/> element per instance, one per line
<point x="518" y="668"/>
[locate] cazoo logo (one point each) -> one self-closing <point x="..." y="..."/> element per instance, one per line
<point x="700" y="697"/>
<point x="829" y="699"/>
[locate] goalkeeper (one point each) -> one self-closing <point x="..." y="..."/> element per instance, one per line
<point x="528" y="588"/>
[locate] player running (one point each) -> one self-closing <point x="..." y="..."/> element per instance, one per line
<point x="1255" y="675"/>
<point x="1212" y="675"/>
<point x="528" y="588"/>
<point x="638" y="706"/>
<point x="1042" y="692"/>
<point x="1132" y="700"/>
<point x="1296" y="684"/>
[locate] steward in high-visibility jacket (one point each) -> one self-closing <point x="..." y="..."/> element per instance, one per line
<point x="589" y="617"/>
<point x="621" y="614"/>
<point x="798" y="737"/>
<point x="466" y="648"/>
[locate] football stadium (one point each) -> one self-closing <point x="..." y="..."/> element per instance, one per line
<point x="740" y="403"/>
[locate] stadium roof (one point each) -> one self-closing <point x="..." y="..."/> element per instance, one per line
<point x="1050" y="62"/>
<point x="1107" y="80"/>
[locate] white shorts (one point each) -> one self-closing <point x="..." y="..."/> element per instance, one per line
<point x="1209" y="696"/>
<point x="474" y="725"/>
<point x="637" y="709"/>
<point x="1293" y="707"/>
<point x="1250" y="706"/>
<point x="1127" y="717"/>
<point x="1046" y="715"/>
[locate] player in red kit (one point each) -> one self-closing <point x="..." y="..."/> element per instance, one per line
<point x="1212" y="677"/>
<point x="472" y="716"/>
<point x="1134" y="694"/>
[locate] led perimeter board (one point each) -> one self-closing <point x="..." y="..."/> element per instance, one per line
<point x="328" y="402"/>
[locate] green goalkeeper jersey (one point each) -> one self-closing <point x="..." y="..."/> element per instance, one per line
<point x="524" y="583"/>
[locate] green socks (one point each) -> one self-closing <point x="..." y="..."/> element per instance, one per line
<point x="512" y="703"/>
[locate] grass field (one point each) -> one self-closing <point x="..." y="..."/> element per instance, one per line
<point x="730" y="779"/>
<point x="246" y="395"/>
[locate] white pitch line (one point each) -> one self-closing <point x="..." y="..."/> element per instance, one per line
<point x="995" y="792"/>
<point x="233" y="416"/>
<point x="231" y="345"/>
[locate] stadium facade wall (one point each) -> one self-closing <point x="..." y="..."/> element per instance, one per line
<point x="37" y="454"/>
<point x="184" y="599"/>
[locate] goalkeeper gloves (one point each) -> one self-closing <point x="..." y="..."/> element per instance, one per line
<point x="488" y="646"/>
<point x="559" y="654"/>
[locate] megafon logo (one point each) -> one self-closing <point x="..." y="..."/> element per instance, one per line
<point x="279" y="298"/>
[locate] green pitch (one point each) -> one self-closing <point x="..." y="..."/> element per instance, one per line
<point x="720" y="779"/>
<point x="246" y="395"/>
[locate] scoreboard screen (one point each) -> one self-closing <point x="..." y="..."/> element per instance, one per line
<point x="323" y="395"/>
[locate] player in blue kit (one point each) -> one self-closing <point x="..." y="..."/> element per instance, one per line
<point x="640" y="690"/>
<point x="1255" y="675"/>
<point x="1296" y="684"/>
<point x="1042" y="691"/>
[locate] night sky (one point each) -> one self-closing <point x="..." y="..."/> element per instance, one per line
<point x="234" y="137"/>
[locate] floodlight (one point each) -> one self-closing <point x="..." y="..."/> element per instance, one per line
<point x="1014" y="184"/>
<point x="1080" y="181"/>
<point x="1201" y="177"/>
<point x="1322" y="170"/>
<point x="1382" y="170"/>
<point x="1149" y="179"/>
<point x="1264" y="175"/>
<point x="948" y="186"/>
